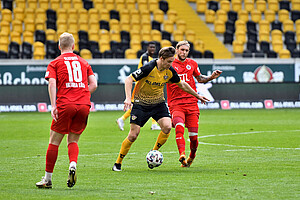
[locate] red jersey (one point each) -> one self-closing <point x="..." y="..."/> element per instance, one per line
<point x="186" y="70"/>
<point x="71" y="73"/>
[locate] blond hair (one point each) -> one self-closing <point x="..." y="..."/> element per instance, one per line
<point x="66" y="41"/>
<point x="166" y="52"/>
<point x="181" y="43"/>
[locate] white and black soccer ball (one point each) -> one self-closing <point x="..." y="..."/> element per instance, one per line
<point x="154" y="159"/>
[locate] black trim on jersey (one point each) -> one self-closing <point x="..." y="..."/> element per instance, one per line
<point x="145" y="58"/>
<point x="175" y="78"/>
<point x="145" y="70"/>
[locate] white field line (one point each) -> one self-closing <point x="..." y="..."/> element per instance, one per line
<point x="251" y="147"/>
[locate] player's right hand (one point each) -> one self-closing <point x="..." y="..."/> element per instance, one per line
<point x="54" y="113"/>
<point x="203" y="99"/>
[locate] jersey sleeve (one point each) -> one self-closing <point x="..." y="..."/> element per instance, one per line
<point x="175" y="78"/>
<point x="50" y="72"/>
<point x="142" y="72"/>
<point x="196" y="69"/>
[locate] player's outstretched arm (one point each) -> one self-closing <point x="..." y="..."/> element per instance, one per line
<point x="187" y="88"/>
<point x="205" y="79"/>
<point x="128" y="88"/>
<point x="92" y="83"/>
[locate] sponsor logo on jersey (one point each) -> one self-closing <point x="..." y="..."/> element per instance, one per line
<point x="133" y="117"/>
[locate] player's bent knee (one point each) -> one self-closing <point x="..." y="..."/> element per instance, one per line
<point x="166" y="129"/>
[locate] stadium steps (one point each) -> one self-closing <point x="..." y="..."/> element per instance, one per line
<point x="187" y="13"/>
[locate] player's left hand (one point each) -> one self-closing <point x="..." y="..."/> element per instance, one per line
<point x="203" y="99"/>
<point x="54" y="113"/>
<point x="127" y="104"/>
<point x="216" y="74"/>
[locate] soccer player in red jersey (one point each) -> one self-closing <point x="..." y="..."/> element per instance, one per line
<point x="71" y="82"/>
<point x="183" y="106"/>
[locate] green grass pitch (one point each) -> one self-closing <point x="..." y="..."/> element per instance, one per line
<point x="243" y="154"/>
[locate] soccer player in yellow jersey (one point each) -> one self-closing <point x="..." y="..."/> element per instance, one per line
<point x="145" y="58"/>
<point x="149" y="99"/>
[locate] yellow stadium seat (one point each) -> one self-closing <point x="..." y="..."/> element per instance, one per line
<point x="199" y="45"/>
<point x="264" y="35"/>
<point x="16" y="37"/>
<point x="99" y="4"/>
<point x="172" y="15"/>
<point x="61" y="24"/>
<point x="276" y="35"/>
<point x="73" y="25"/>
<point x="32" y="4"/>
<point x="261" y="5"/>
<point x="156" y="35"/>
<point x="125" y="25"/>
<point x="145" y="35"/>
<point x="219" y="26"/>
<point x="264" y="25"/>
<point x="243" y="15"/>
<point x="72" y="13"/>
<point x="120" y="5"/>
<point x="28" y="37"/>
<point x="270" y="15"/>
<point x="62" y="13"/>
<point x="17" y="26"/>
<point x="135" y="35"/>
<point x="298" y="37"/>
<point x="40" y="24"/>
<point x="273" y="5"/>
<point x="104" y="45"/>
<point x="146" y="25"/>
<point x="130" y="54"/>
<point x="54" y="4"/>
<point x="240" y="35"/>
<point x="77" y="4"/>
<point x="153" y="5"/>
<point x="225" y="5"/>
<point x="135" y="25"/>
<point x="222" y="15"/>
<point x="109" y="4"/>
<point x="178" y="35"/>
<point x="135" y="45"/>
<point x="249" y="5"/>
<point x="40" y="13"/>
<point x="165" y="43"/>
<point x="238" y="46"/>
<point x="277" y="45"/>
<point x="288" y="25"/>
<point x="115" y="35"/>
<point x="19" y="14"/>
<point x="284" y="53"/>
<point x="51" y="35"/>
<point x="20" y="4"/>
<point x="295" y="5"/>
<point x="30" y="13"/>
<point x="66" y="4"/>
<point x="114" y="25"/>
<point x="29" y="25"/>
<point x="297" y="25"/>
<point x="44" y="4"/>
<point x="283" y="15"/>
<point x="6" y="15"/>
<point x="201" y="6"/>
<point x="142" y="4"/>
<point x="181" y="25"/>
<point x="93" y="13"/>
<point x="236" y="5"/>
<point x="240" y="25"/>
<point x="145" y="15"/>
<point x="190" y="35"/>
<point x="255" y="16"/>
<point x="86" y="54"/>
<point x="83" y="25"/>
<point x="168" y="26"/>
<point x="5" y="27"/>
<point x="83" y="13"/>
<point x="125" y="15"/>
<point x="4" y="45"/>
<point x="158" y="15"/>
<point x="104" y="34"/>
<point x="130" y="4"/>
<point x="94" y="24"/>
<point x="38" y="51"/>
<point x="104" y="14"/>
<point x="209" y="16"/>
<point x="134" y="14"/>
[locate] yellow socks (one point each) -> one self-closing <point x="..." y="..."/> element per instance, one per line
<point x="161" y="139"/>
<point x="126" y="144"/>
<point x="126" y="115"/>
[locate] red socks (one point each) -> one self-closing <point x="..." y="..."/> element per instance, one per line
<point x="179" y="130"/>
<point x="73" y="152"/>
<point x="193" y="145"/>
<point x="51" y="157"/>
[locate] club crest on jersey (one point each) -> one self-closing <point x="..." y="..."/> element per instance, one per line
<point x="166" y="77"/>
<point x="188" y="67"/>
<point x="133" y="117"/>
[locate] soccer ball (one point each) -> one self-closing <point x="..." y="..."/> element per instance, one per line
<point x="154" y="159"/>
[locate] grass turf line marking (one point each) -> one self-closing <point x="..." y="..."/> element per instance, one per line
<point x="245" y="133"/>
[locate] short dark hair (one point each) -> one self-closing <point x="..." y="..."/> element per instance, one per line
<point x="166" y="52"/>
<point x="151" y="42"/>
